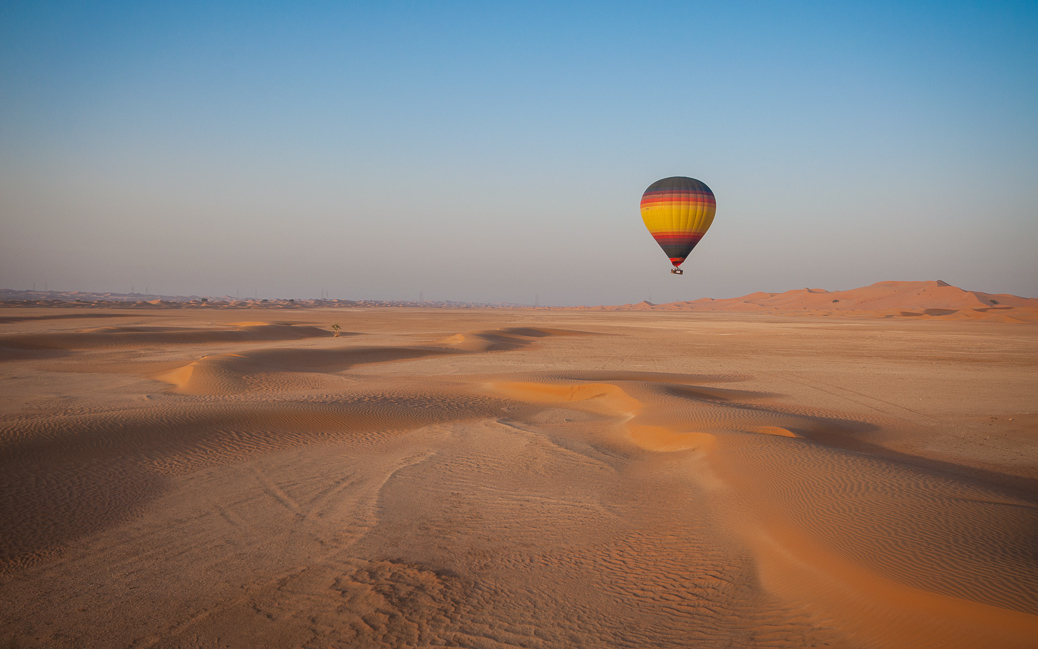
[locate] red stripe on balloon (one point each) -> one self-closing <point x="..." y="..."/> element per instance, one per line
<point x="675" y="237"/>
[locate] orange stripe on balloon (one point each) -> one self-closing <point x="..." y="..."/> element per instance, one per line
<point x="693" y="235"/>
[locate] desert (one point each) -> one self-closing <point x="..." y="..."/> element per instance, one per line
<point x="656" y="475"/>
<point x="488" y="325"/>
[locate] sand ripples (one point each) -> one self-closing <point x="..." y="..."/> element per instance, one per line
<point x="906" y="528"/>
<point x="915" y="527"/>
<point x="68" y="476"/>
<point x="310" y="492"/>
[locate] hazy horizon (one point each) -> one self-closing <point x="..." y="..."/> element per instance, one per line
<point x="866" y="292"/>
<point x="498" y="153"/>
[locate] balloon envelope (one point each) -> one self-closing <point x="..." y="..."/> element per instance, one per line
<point x="678" y="211"/>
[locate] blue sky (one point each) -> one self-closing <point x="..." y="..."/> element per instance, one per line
<point x="497" y="151"/>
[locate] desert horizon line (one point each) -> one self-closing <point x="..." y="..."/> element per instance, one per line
<point x="34" y="294"/>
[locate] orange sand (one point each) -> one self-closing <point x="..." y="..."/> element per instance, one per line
<point x="924" y="300"/>
<point x="174" y="478"/>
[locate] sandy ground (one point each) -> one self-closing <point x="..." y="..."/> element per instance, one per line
<point x="503" y="478"/>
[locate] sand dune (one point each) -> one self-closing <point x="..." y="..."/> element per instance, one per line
<point x="928" y="577"/>
<point x="933" y="299"/>
<point x="253" y="369"/>
<point x="234" y="373"/>
<point x="545" y="479"/>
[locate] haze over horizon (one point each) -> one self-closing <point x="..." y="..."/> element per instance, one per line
<point x="498" y="154"/>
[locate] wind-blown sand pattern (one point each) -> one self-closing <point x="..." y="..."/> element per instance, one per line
<point x="493" y="479"/>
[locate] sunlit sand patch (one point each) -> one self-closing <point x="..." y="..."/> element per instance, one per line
<point x="608" y="376"/>
<point x="778" y="431"/>
<point x="611" y="400"/>
<point x="603" y="398"/>
<point x="209" y="375"/>
<point x="662" y="439"/>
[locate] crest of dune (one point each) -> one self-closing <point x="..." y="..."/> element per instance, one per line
<point x="211" y="375"/>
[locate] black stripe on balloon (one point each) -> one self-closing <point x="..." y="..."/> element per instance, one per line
<point x="678" y="249"/>
<point x="679" y="183"/>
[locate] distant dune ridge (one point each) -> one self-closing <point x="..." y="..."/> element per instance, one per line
<point x="933" y="299"/>
<point x="929" y="299"/>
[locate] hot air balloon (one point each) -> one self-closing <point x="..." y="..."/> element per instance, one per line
<point x="678" y="211"/>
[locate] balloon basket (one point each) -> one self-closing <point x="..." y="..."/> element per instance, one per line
<point x="677" y="271"/>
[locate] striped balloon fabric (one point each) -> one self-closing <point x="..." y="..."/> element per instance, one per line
<point x="678" y="211"/>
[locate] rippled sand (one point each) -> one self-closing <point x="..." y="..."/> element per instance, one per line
<point x="502" y="478"/>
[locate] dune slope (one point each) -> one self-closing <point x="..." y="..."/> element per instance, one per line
<point x="933" y="299"/>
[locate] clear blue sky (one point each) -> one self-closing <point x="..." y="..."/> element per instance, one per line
<point x="493" y="151"/>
